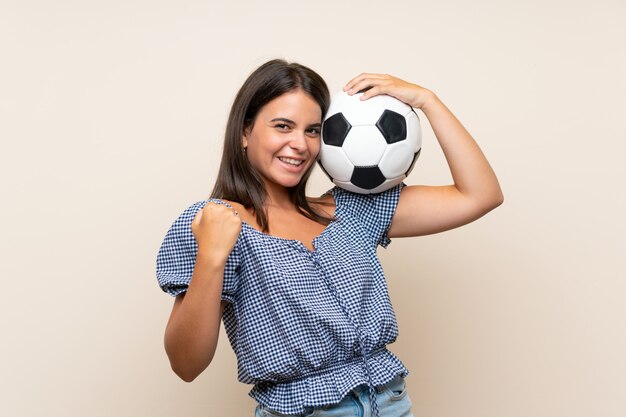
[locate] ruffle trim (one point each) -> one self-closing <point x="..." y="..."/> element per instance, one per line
<point x="328" y="387"/>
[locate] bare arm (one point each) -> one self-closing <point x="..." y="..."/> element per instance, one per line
<point x="193" y="328"/>
<point x="424" y="209"/>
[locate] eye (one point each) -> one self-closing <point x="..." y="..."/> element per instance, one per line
<point x="314" y="131"/>
<point x="282" y="126"/>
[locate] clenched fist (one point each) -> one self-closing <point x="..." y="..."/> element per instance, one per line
<point x="216" y="228"/>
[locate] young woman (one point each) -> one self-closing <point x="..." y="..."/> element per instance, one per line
<point x="296" y="279"/>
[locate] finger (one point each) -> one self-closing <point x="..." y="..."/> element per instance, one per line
<point x="374" y="91"/>
<point x="360" y="78"/>
<point x="362" y="85"/>
<point x="372" y="88"/>
<point x="354" y="80"/>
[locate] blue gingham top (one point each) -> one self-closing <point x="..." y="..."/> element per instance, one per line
<point x="306" y="326"/>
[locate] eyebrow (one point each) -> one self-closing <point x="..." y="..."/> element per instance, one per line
<point x="283" y="119"/>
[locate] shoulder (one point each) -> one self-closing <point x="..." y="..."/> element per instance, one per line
<point x="233" y="204"/>
<point x="368" y="207"/>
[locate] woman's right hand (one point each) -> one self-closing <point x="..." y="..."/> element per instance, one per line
<point x="193" y="329"/>
<point x="216" y="228"/>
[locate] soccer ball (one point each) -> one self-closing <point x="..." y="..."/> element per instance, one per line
<point x="369" y="146"/>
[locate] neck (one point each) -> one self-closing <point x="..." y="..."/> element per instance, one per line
<point x="278" y="198"/>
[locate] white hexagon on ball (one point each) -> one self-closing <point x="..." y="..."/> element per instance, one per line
<point x="397" y="159"/>
<point x="364" y="145"/>
<point x="413" y="131"/>
<point x="337" y="164"/>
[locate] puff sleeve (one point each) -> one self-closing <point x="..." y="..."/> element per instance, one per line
<point x="374" y="212"/>
<point x="177" y="257"/>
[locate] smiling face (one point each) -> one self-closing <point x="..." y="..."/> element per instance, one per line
<point x="284" y="140"/>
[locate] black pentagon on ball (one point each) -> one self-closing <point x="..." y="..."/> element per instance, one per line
<point x="367" y="177"/>
<point x="392" y="125"/>
<point x="335" y="129"/>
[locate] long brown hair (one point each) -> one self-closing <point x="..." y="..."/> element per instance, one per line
<point x="239" y="181"/>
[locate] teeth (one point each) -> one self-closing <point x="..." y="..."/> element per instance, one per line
<point x="291" y="161"/>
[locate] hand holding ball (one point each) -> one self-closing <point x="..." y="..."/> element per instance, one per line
<point x="369" y="146"/>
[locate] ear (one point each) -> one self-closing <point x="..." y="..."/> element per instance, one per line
<point x="244" y="138"/>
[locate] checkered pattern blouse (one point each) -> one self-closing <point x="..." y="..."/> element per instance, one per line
<point x="306" y="326"/>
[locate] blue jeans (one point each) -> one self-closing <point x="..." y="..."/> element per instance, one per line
<point x="392" y="398"/>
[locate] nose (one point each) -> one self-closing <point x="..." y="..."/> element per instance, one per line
<point x="298" y="142"/>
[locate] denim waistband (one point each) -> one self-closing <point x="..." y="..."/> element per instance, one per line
<point x="379" y="388"/>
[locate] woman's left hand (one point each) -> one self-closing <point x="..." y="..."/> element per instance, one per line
<point x="412" y="94"/>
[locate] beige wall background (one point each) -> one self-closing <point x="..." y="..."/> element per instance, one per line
<point x="111" y="123"/>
